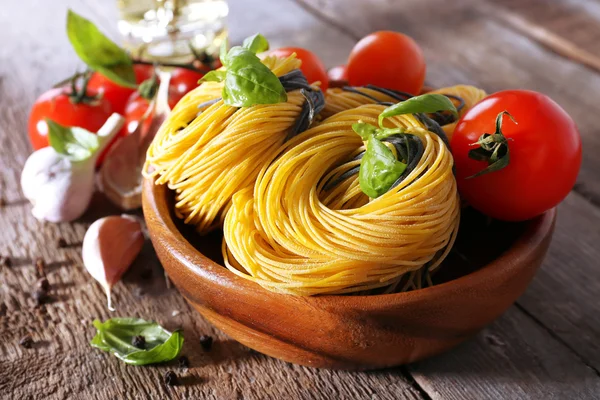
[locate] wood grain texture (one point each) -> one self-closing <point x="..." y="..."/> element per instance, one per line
<point x="545" y="348"/>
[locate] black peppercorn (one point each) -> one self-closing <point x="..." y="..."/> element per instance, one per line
<point x="2" y="202"/>
<point x="26" y="341"/>
<point x="184" y="362"/>
<point x="40" y="296"/>
<point x="61" y="243"/>
<point x="43" y="284"/>
<point x="206" y="342"/>
<point x="138" y="341"/>
<point x="5" y="261"/>
<point x="171" y="378"/>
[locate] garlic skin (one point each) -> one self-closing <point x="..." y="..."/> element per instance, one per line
<point x="110" y="245"/>
<point x="59" y="189"/>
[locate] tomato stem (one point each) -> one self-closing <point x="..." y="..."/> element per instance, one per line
<point x="78" y="93"/>
<point x="493" y="148"/>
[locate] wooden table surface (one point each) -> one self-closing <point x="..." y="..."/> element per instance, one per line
<point x="545" y="347"/>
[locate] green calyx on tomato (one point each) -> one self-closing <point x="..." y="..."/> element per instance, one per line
<point x="247" y="80"/>
<point x="149" y="87"/>
<point x="493" y="148"/>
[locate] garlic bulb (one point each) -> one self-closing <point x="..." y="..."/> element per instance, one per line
<point x="60" y="184"/>
<point x="109" y="247"/>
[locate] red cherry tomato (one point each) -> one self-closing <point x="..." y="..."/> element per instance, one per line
<point x="312" y="67"/>
<point x="56" y="105"/>
<point x="387" y="59"/>
<point x="338" y="73"/>
<point x="544" y="149"/>
<point x="182" y="81"/>
<point x="115" y="94"/>
<point x="134" y="111"/>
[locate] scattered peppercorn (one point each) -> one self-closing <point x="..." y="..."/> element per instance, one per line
<point x="43" y="284"/>
<point x="61" y="243"/>
<point x="2" y="202"/>
<point x="138" y="341"/>
<point x="184" y="362"/>
<point x="26" y="341"/>
<point x="171" y="378"/>
<point x="40" y="296"/>
<point x="5" y="261"/>
<point x="206" y="342"/>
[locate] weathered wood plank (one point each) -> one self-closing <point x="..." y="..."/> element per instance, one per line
<point x="514" y="360"/>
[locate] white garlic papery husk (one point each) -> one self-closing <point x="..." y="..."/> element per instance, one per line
<point x="110" y="246"/>
<point x="60" y="189"/>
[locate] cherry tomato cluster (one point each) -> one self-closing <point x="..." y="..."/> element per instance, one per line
<point x="103" y="98"/>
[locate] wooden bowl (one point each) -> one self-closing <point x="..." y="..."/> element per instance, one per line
<point x="489" y="268"/>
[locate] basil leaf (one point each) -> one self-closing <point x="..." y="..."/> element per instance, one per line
<point x="75" y="144"/>
<point x="248" y="81"/>
<point x="116" y="334"/>
<point x="426" y="103"/>
<point x="213" y="76"/>
<point x="379" y="169"/>
<point x="256" y="43"/>
<point x="99" y="52"/>
<point x="366" y="131"/>
<point x="223" y="51"/>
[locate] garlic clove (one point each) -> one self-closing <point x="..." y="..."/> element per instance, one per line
<point x="110" y="246"/>
<point x="120" y="177"/>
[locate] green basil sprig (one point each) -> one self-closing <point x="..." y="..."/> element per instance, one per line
<point x="247" y="80"/>
<point x="116" y="336"/>
<point x="75" y="144"/>
<point x="379" y="169"/>
<point x="99" y="52"/>
<point x="425" y="103"/>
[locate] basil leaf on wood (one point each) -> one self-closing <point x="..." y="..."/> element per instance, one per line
<point x="75" y="144"/>
<point x="426" y="103"/>
<point x="116" y="336"/>
<point x="379" y="169"/>
<point x="99" y="52"/>
<point x="248" y="81"/>
<point x="256" y="43"/>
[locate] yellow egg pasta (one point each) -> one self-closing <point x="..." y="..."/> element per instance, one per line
<point x="292" y="234"/>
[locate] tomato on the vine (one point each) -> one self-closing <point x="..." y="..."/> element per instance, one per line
<point x="117" y="95"/>
<point x="312" y="67"/>
<point x="387" y="59"/>
<point x="543" y="150"/>
<point x="56" y="104"/>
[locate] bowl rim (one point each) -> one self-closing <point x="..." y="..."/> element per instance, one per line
<point x="523" y="249"/>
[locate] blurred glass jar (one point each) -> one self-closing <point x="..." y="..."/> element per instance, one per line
<point x="172" y="30"/>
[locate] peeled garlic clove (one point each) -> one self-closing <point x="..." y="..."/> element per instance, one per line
<point x="109" y="247"/>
